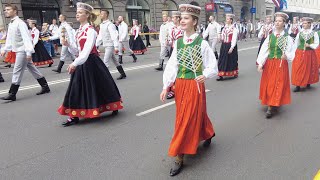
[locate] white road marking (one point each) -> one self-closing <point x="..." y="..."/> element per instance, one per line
<point x="5" y="91"/>
<point x="112" y="72"/>
<point x="159" y="107"/>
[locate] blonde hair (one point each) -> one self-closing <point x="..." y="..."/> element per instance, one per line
<point x="92" y="17"/>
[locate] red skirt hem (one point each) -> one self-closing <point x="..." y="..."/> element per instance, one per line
<point x="90" y="113"/>
<point x="43" y="63"/>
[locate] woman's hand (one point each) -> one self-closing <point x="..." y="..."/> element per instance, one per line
<point x="71" y="68"/>
<point x="64" y="42"/>
<point x="260" y="69"/>
<point x="163" y="95"/>
<point x="284" y="56"/>
<point x="200" y="79"/>
<point x="230" y="50"/>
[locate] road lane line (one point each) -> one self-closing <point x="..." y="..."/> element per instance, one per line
<point x="159" y="107"/>
<point x="5" y="91"/>
<point x="244" y="49"/>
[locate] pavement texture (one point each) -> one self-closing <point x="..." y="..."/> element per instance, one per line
<point x="34" y="145"/>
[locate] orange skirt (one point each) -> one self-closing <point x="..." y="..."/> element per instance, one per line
<point x="10" y="58"/>
<point x="318" y="55"/>
<point x="304" y="68"/>
<point x="192" y="122"/>
<point x="275" y="83"/>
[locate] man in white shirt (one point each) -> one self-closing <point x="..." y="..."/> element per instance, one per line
<point x="54" y="28"/>
<point x="163" y="38"/>
<point x="69" y="35"/>
<point x="124" y="39"/>
<point x="213" y="32"/>
<point x="108" y="37"/>
<point x="250" y="29"/>
<point x="19" y="41"/>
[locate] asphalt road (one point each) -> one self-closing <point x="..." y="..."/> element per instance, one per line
<point x="134" y="144"/>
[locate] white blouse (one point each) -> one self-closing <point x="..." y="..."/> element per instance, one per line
<point x="75" y="49"/>
<point x="210" y="68"/>
<point x="315" y="43"/>
<point x="264" y="51"/>
<point x="36" y="33"/>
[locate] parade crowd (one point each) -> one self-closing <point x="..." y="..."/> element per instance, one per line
<point x="193" y="57"/>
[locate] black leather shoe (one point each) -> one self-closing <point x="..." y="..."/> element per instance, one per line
<point x="160" y="68"/>
<point x="308" y="86"/>
<point x="220" y="78"/>
<point x="176" y="169"/>
<point x="10" y="97"/>
<point x="114" y="113"/>
<point x="70" y="122"/>
<point x="269" y="113"/>
<point x="50" y="65"/>
<point x="297" y="89"/>
<point x="44" y="90"/>
<point x="56" y="70"/>
<point x="208" y="141"/>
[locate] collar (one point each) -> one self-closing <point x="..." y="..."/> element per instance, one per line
<point x="16" y="17"/>
<point x="81" y="28"/>
<point x="34" y="28"/>
<point x="282" y="33"/>
<point x="188" y="40"/>
<point x="307" y="31"/>
<point x="105" y="21"/>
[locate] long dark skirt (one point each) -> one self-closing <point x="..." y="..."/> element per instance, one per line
<point x="91" y="91"/>
<point x="137" y="46"/>
<point x="41" y="55"/>
<point x="228" y="63"/>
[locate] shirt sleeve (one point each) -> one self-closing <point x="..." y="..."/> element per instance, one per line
<point x="88" y="45"/>
<point x="209" y="60"/>
<point x="206" y="32"/>
<point x="99" y="38"/>
<point x="264" y="52"/>
<point x="234" y="37"/>
<point x="114" y="35"/>
<point x="124" y="30"/>
<point x="137" y="32"/>
<point x="56" y="35"/>
<point x="171" y="70"/>
<point x="261" y="33"/>
<point x="290" y="52"/>
<point x="315" y="44"/>
<point x="8" y="44"/>
<point x="36" y="37"/>
<point x="26" y="37"/>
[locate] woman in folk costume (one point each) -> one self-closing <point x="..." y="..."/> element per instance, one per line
<point x="191" y="63"/>
<point x="136" y="43"/>
<point x="318" y="51"/>
<point x="272" y="61"/>
<point x="175" y="33"/>
<point x="91" y="90"/>
<point x="294" y="28"/>
<point x="266" y="30"/>
<point x="228" y="60"/>
<point x="305" y="64"/>
<point x="40" y="56"/>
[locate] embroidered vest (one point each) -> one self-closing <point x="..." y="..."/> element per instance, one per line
<point x="274" y="50"/>
<point x="82" y="38"/>
<point x="302" y="42"/>
<point x="183" y="72"/>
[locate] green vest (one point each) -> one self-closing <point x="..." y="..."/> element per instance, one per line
<point x="183" y="72"/>
<point x="302" y="42"/>
<point x="274" y="50"/>
<point x="319" y="35"/>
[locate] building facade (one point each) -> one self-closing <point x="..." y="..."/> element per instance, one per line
<point x="143" y="10"/>
<point x="151" y="11"/>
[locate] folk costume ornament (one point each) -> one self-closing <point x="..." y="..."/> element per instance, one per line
<point x="283" y="41"/>
<point x="188" y="9"/>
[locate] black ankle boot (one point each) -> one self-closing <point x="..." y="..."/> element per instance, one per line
<point x="122" y="73"/>
<point x="220" y="78"/>
<point x="70" y="121"/>
<point x="12" y="93"/>
<point x="160" y="68"/>
<point x="44" y="86"/>
<point x="8" y="66"/>
<point x="58" y="70"/>
<point x="134" y="58"/>
<point x="1" y="78"/>
<point x="120" y="59"/>
<point x="269" y="112"/>
<point x="208" y="141"/>
<point x="297" y="89"/>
